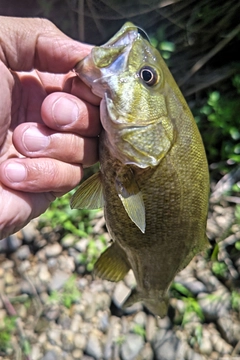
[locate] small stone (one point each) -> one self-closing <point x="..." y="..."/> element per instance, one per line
<point x="68" y="241"/>
<point x="51" y="355"/>
<point x="10" y="244"/>
<point x="76" y="323"/>
<point x="140" y="318"/>
<point x="132" y="346"/>
<point x="192" y="284"/>
<point x="36" y="353"/>
<point x="77" y="354"/>
<point x="53" y="250"/>
<point x="7" y="264"/>
<point x="81" y="245"/>
<point x="151" y="327"/>
<point x="146" y="353"/>
<point x="120" y="294"/>
<point x="166" y="345"/>
<point x="52" y="312"/>
<point x="80" y="341"/>
<point x="23" y="252"/>
<point x="67" y="337"/>
<point x="58" y="280"/>
<point x="43" y="273"/>
<point x="54" y="337"/>
<point x="229" y="328"/>
<point x="9" y="278"/>
<point x="103" y="301"/>
<point x="215" y="305"/>
<point x="93" y="347"/>
<point x="205" y="346"/>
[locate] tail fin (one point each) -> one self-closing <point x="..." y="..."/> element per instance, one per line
<point x="158" y="305"/>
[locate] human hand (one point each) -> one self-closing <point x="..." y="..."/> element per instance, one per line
<point x="49" y="120"/>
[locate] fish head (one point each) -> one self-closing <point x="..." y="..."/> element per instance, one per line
<point x="155" y="301"/>
<point x="129" y="74"/>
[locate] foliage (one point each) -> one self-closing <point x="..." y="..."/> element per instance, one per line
<point x="69" y="294"/>
<point x="94" y="249"/>
<point x="235" y="300"/>
<point x="139" y="330"/>
<point x="219" y="268"/>
<point x="61" y="216"/>
<point x="6" y="330"/>
<point x="218" y="120"/>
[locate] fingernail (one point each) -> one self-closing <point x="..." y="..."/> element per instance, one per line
<point x="65" y="111"/>
<point x="34" y="140"/>
<point x="15" y="172"/>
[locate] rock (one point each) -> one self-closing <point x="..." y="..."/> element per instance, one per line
<point x="9" y="278"/>
<point x="131" y="346"/>
<point x="30" y="232"/>
<point x="43" y="273"/>
<point x="68" y="241"/>
<point x="166" y="345"/>
<point x="93" y="347"/>
<point x="216" y="304"/>
<point x="23" y="252"/>
<point x="80" y="341"/>
<point x="229" y="328"/>
<point x="205" y="346"/>
<point x="67" y="338"/>
<point x="51" y="355"/>
<point x="10" y="244"/>
<point x="192" y="284"/>
<point x="151" y="327"/>
<point x="53" y="250"/>
<point x="54" y="337"/>
<point x="146" y="353"/>
<point x="103" y="301"/>
<point x="58" y="280"/>
<point x="120" y="293"/>
<point x="81" y="245"/>
<point x="52" y="312"/>
<point x="77" y="354"/>
<point x="218" y="343"/>
<point x="76" y="323"/>
<point x="140" y="318"/>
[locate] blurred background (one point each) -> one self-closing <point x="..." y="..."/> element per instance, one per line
<point x="50" y="306"/>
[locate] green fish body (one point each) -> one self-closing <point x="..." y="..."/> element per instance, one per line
<point x="153" y="181"/>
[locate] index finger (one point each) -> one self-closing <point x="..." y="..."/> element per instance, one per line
<point x="38" y="44"/>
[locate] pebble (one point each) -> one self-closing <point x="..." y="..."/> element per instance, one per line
<point x="77" y="354"/>
<point x="80" y="341"/>
<point x="57" y="281"/>
<point x="131" y="346"/>
<point x="151" y="327"/>
<point x="10" y="244"/>
<point x="120" y="294"/>
<point x="216" y="304"/>
<point x="68" y="241"/>
<point x="23" y="252"/>
<point x="53" y="250"/>
<point x="93" y="347"/>
<point x="67" y="338"/>
<point x="54" y="337"/>
<point x="44" y="274"/>
<point x="229" y="328"/>
<point x="166" y="345"/>
<point x="81" y="245"/>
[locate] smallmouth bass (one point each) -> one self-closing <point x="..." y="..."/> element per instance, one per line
<point x="153" y="181"/>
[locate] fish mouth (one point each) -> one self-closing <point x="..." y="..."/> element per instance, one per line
<point x="125" y="36"/>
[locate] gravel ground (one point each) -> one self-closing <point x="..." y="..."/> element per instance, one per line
<point x="52" y="309"/>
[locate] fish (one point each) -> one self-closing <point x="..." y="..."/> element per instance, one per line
<point x="153" y="181"/>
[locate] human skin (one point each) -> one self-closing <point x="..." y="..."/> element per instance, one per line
<point x="49" y="119"/>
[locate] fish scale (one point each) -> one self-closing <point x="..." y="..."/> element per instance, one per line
<point x="153" y="180"/>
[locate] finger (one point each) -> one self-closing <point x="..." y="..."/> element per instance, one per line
<point x="6" y="86"/>
<point x="40" y="175"/>
<point x="18" y="208"/>
<point x="65" y="112"/>
<point x="43" y="46"/>
<point x="35" y="140"/>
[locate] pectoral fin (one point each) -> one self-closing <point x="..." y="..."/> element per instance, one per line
<point x="89" y="195"/>
<point x="112" y="264"/>
<point x="132" y="200"/>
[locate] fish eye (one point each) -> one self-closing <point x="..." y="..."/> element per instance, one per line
<point x="148" y="75"/>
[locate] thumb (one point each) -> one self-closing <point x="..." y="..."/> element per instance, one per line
<point x="28" y="43"/>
